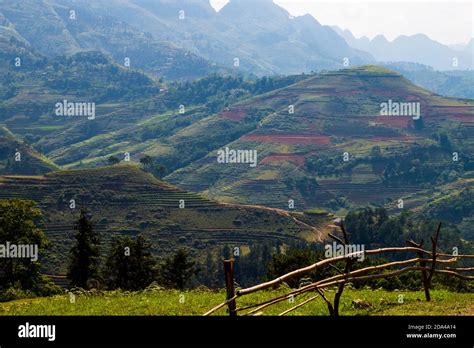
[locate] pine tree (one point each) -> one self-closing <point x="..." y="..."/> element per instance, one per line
<point x="83" y="269"/>
<point x="210" y="276"/>
<point x="177" y="270"/>
<point x="130" y="264"/>
<point x="144" y="264"/>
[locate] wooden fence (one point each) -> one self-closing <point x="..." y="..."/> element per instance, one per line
<point x="426" y="261"/>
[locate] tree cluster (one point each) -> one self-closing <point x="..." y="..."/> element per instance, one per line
<point x="129" y="263"/>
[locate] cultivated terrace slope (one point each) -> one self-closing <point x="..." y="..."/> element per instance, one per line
<point x="337" y="139"/>
<point x="124" y="200"/>
<point x="17" y="157"/>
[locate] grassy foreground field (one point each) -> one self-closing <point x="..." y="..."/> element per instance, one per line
<point x="176" y="303"/>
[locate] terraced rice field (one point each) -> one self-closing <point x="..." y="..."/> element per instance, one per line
<point x="124" y="200"/>
<point x="275" y="158"/>
<point x="289" y="138"/>
<point x="235" y="115"/>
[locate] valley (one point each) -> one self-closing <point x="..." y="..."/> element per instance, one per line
<point x="321" y="141"/>
<point x="153" y="152"/>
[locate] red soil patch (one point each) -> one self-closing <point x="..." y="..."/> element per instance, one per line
<point x="298" y="159"/>
<point x="289" y="139"/>
<point x="235" y="115"/>
<point x="395" y="121"/>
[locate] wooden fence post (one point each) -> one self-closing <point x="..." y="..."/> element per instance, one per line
<point x="426" y="278"/>
<point x="347" y="269"/>
<point x="344" y="277"/>
<point x="229" y="285"/>
<point x="424" y="275"/>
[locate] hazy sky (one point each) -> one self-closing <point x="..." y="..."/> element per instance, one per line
<point x="447" y="21"/>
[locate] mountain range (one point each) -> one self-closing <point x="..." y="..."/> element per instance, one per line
<point x="417" y="48"/>
<point x="158" y="38"/>
<point x="67" y="27"/>
<point x="175" y="83"/>
<point x="188" y="38"/>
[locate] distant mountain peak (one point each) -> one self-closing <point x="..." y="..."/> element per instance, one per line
<point x="418" y="37"/>
<point x="309" y="19"/>
<point x="380" y="39"/>
<point x="239" y="8"/>
<point x="251" y="2"/>
<point x="194" y="8"/>
<point x="345" y="33"/>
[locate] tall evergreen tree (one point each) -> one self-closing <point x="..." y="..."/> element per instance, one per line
<point x="130" y="264"/>
<point x="84" y="256"/>
<point x="209" y="276"/>
<point x="177" y="270"/>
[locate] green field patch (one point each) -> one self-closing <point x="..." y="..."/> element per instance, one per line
<point x="197" y="302"/>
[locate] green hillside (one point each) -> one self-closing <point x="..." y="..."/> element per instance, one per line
<point x="452" y="202"/>
<point x="18" y="158"/>
<point x="125" y="200"/>
<point x="154" y="125"/>
<point x="301" y="155"/>
<point x="31" y="92"/>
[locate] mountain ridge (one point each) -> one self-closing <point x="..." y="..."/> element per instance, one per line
<point x="416" y="48"/>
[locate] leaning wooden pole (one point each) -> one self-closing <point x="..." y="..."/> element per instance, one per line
<point x="229" y="285"/>
<point x="347" y="269"/>
<point x="424" y="276"/>
<point x="325" y="262"/>
<point x="434" y="244"/>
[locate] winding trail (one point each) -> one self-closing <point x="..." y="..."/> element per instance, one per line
<point x="280" y="212"/>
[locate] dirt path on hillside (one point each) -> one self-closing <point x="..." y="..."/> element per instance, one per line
<point x="280" y="212"/>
